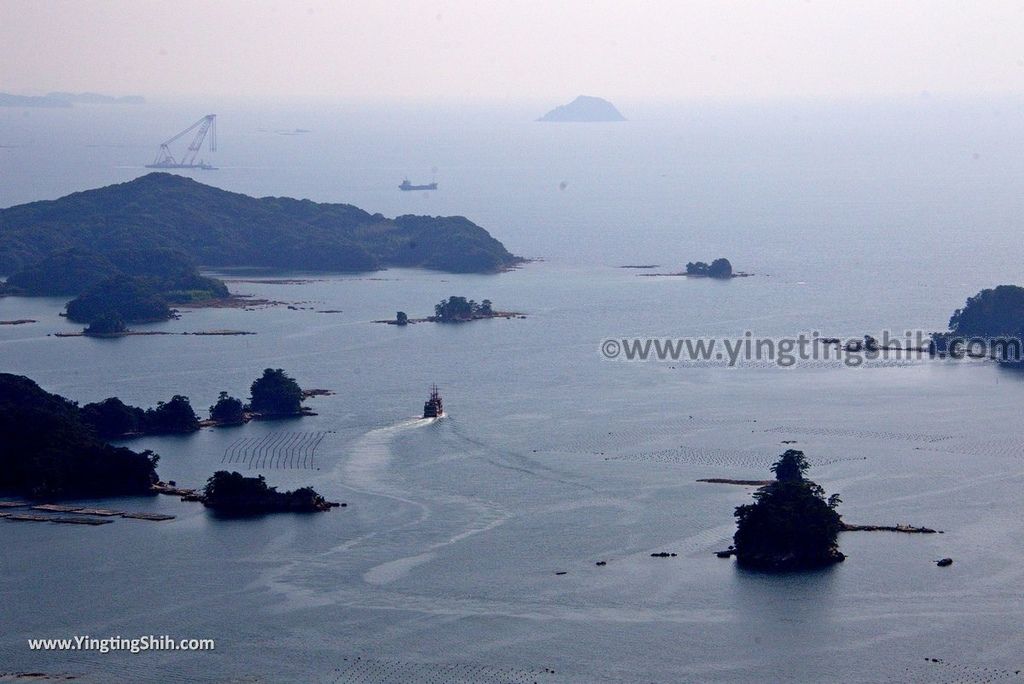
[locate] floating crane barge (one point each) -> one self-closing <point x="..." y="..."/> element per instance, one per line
<point x="164" y="158"/>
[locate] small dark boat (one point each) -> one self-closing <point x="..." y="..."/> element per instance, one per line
<point x="406" y="185"/>
<point x="944" y="562"/>
<point x="433" y="408"/>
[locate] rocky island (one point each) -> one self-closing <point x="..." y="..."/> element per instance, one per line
<point x="218" y="228"/>
<point x="584" y="109"/>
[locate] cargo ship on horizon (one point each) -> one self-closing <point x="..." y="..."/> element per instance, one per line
<point x="406" y="185"/>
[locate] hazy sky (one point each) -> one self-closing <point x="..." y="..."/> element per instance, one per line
<point x="507" y="49"/>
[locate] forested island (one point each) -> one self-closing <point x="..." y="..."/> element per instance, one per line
<point x="720" y="268"/>
<point x="53" y="449"/>
<point x="113" y="419"/>
<point x="993" y="317"/>
<point x="584" y="109"/>
<point x="274" y="394"/>
<point x="116" y="288"/>
<point x="790" y="525"/>
<point x="232" y="493"/>
<point x="456" y="309"/>
<point x="214" y="227"/>
<point x="49" y="449"/>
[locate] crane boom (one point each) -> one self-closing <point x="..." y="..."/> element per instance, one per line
<point x="202" y="127"/>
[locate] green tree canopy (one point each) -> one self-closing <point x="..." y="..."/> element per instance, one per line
<point x="133" y="299"/>
<point x="719" y="268"/>
<point x="174" y="416"/>
<point x="228" y="410"/>
<point x="112" y="418"/>
<point x="275" y="393"/>
<point x="233" y="493"/>
<point x="790" y="525"/>
<point x="791" y="466"/>
<point x="47" y="449"/>
<point x="211" y="226"/>
<point x="456" y="309"/>
<point x="992" y="312"/>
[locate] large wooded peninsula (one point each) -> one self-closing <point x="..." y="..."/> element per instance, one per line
<point x="48" y="450"/>
<point x="215" y="227"/>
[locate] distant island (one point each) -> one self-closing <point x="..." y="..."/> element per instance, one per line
<point x="720" y="268"/>
<point x="49" y="449"/>
<point x="790" y="525"/>
<point x="233" y="494"/>
<point x="214" y="227"/>
<point x="584" y="109"/>
<point x="456" y="310"/>
<point x="994" y="315"/>
<point x="60" y="99"/>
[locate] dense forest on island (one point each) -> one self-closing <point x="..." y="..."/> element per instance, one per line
<point x="214" y="227"/>
<point x="78" y="270"/>
<point x="52" y="448"/>
<point x="456" y="309"/>
<point x="275" y="393"/>
<point x="124" y="286"/>
<point x="48" y="450"/>
<point x="719" y="268"/>
<point x="234" y="494"/>
<point x="112" y="418"/>
<point x="790" y="525"/>
<point x="995" y="315"/>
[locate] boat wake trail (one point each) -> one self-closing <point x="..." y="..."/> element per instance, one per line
<point x="371" y="469"/>
<point x="365" y="470"/>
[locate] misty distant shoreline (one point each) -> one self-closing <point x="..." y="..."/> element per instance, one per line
<point x="64" y="100"/>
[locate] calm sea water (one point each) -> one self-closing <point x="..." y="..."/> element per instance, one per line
<point x="855" y="218"/>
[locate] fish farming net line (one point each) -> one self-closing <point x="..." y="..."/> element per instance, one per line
<point x="374" y="671"/>
<point x="276" y="451"/>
